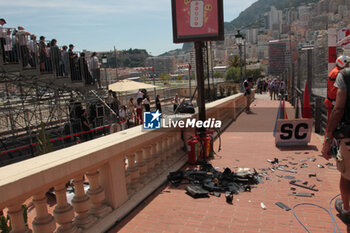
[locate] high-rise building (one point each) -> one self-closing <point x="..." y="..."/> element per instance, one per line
<point x="275" y="19"/>
<point x="278" y="56"/>
<point x="252" y="35"/>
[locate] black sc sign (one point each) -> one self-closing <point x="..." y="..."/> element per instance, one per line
<point x="287" y="131"/>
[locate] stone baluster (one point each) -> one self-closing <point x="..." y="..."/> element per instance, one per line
<point x="81" y="204"/>
<point x="43" y="222"/>
<point x="63" y="211"/>
<point x="158" y="160"/>
<point x="134" y="174"/>
<point x="97" y="195"/>
<point x="169" y="151"/>
<point x="141" y="165"/>
<point x="179" y="144"/>
<point x="164" y="153"/>
<point x="17" y="221"/>
<point x="172" y="148"/>
<point x="127" y="174"/>
<point x="148" y="163"/>
<point x="153" y="163"/>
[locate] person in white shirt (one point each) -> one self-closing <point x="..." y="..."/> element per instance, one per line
<point x="2" y="38"/>
<point x="33" y="50"/>
<point x="122" y="116"/>
<point x="23" y="45"/>
<point x="139" y="95"/>
<point x="9" y="56"/>
<point x="95" y="69"/>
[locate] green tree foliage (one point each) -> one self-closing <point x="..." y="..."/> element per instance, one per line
<point x="233" y="74"/>
<point x="144" y="78"/>
<point x="218" y="74"/>
<point x="234" y="61"/>
<point x="5" y="222"/>
<point x="164" y="77"/>
<point x="43" y="144"/>
<point x="254" y="73"/>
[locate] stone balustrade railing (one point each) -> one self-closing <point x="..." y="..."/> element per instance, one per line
<point x="121" y="170"/>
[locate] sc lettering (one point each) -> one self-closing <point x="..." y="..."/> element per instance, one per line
<point x="287" y="131"/>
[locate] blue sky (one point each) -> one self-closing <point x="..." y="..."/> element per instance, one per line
<point x="101" y="24"/>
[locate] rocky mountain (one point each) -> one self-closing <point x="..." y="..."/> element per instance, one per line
<point x="253" y="15"/>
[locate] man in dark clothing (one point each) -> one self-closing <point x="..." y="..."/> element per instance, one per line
<point x="73" y="64"/>
<point x="85" y="126"/>
<point x="247" y="92"/>
<point x="158" y="106"/>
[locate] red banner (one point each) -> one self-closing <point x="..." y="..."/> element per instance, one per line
<point x="197" y="19"/>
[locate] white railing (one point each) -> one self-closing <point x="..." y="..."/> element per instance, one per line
<point x="121" y="169"/>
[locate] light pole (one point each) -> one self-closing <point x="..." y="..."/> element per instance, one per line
<point x="104" y="62"/>
<point x="239" y="41"/>
<point x="189" y="78"/>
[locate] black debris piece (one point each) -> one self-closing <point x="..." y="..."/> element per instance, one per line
<point x="283" y="206"/>
<point x="320" y="166"/>
<point x="329" y="164"/>
<point x="292" y="188"/>
<point x="312" y="175"/>
<point x="306" y="153"/>
<point x="229" y="197"/>
<point x="196" y="191"/>
<point x="302" y="186"/>
<point x="319" y="180"/>
<point x="301" y="194"/>
<point x="312" y="159"/>
<point x="210" y="180"/>
<point x="305" y="183"/>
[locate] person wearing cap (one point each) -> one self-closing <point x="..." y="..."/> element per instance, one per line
<point x="341" y="62"/>
<point x="2" y="38"/>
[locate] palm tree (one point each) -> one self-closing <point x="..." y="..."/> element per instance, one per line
<point x="234" y="61"/>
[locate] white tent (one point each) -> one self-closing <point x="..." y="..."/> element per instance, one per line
<point x="128" y="85"/>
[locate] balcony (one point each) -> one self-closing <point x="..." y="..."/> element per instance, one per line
<point x="121" y="170"/>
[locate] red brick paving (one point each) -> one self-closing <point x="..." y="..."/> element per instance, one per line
<point x="248" y="142"/>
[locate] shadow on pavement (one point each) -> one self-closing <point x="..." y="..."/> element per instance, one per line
<point x="298" y="148"/>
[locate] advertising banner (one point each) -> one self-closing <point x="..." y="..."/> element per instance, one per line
<point x="197" y="20"/>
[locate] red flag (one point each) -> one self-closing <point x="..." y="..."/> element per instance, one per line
<point x="306" y="105"/>
<point x="285" y="116"/>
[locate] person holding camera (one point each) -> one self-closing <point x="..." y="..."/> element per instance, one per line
<point x="339" y="128"/>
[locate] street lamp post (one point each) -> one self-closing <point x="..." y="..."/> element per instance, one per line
<point x="239" y="41"/>
<point x="104" y="62"/>
<point x="189" y="78"/>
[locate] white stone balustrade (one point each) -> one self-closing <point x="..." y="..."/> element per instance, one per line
<point x="97" y="195"/>
<point x="43" y="222"/>
<point x="64" y="212"/>
<point x="81" y="203"/>
<point x="115" y="188"/>
<point x="17" y="221"/>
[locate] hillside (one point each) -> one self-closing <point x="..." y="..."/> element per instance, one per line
<point x="254" y="14"/>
